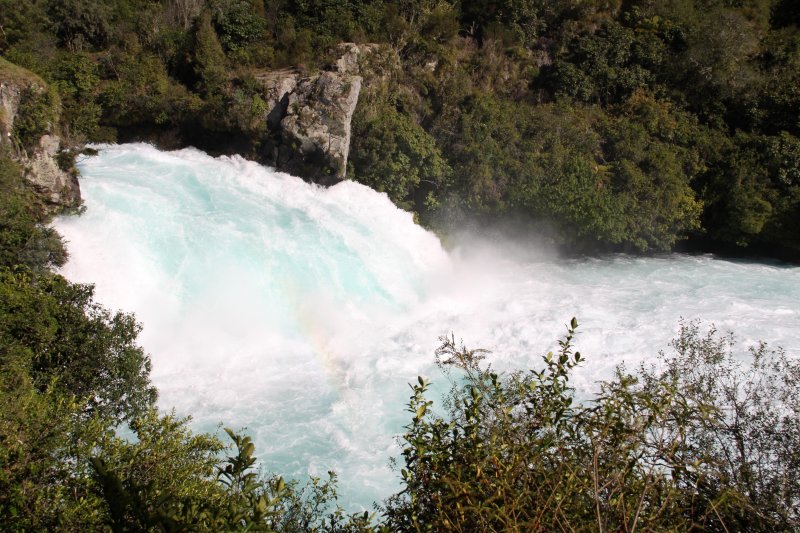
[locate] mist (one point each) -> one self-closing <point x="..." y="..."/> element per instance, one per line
<point x="301" y="313"/>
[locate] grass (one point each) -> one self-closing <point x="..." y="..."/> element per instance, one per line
<point x="9" y="72"/>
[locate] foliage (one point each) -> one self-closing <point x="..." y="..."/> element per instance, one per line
<point x="80" y="23"/>
<point x="237" y="23"/>
<point x="652" y="158"/>
<point x="170" y="479"/>
<point x="609" y="65"/>
<point x="209" y="58"/>
<point x="37" y="115"/>
<point x="77" y="80"/>
<point x="42" y="487"/>
<point x="703" y="442"/>
<point x="395" y="155"/>
<point x="619" y="181"/>
<point x="18" y="75"/>
<point x="143" y="93"/>
<point x="746" y="442"/>
<point x="76" y="345"/>
<point x="752" y="195"/>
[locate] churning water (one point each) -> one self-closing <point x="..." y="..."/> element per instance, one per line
<point x="301" y="313"/>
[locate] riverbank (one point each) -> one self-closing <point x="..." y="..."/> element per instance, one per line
<point x="618" y="127"/>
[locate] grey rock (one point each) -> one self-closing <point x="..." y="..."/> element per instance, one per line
<point x="309" y="116"/>
<point x="278" y="84"/>
<point x="352" y="56"/>
<point x="58" y="189"/>
<point x="317" y="121"/>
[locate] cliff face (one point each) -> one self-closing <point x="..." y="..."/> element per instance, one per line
<point x="310" y="116"/>
<point x="58" y="188"/>
<point x="21" y="91"/>
<point x="308" y="119"/>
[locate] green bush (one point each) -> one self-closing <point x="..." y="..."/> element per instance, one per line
<point x="77" y="82"/>
<point x="170" y="479"/>
<point x="37" y="115"/>
<point x="702" y="442"/>
<point x="44" y="446"/>
<point x="392" y="154"/>
<point x="75" y="344"/>
<point x="209" y="58"/>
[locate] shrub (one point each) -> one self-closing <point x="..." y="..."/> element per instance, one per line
<point x="704" y="442"/>
<point x="392" y="154"/>
<point x="37" y="115"/>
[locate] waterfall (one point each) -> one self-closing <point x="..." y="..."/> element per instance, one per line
<point x="301" y="313"/>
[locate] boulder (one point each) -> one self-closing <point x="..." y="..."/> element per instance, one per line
<point x="309" y="115"/>
<point x="316" y="125"/>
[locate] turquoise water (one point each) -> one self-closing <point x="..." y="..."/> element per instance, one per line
<point x="301" y="313"/>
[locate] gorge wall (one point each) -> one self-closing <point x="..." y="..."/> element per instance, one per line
<point x="303" y="122"/>
<point x="28" y="133"/>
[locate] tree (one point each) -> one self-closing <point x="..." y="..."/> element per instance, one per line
<point x="76" y="345"/>
<point x="80" y="23"/>
<point x="392" y="154"/>
<point x="209" y="57"/>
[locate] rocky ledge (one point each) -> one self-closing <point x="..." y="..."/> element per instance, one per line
<point x="309" y="116"/>
<point x="38" y="152"/>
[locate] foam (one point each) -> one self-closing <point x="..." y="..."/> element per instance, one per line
<point x="302" y="313"/>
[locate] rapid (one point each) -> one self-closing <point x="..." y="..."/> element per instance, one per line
<point x="300" y="313"/>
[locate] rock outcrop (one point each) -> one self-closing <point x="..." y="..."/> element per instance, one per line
<point x="58" y="188"/>
<point x="10" y="96"/>
<point x="310" y="115"/>
<point x="278" y="85"/>
<point x="316" y="126"/>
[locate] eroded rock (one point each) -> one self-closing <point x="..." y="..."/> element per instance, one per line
<point x="317" y="125"/>
<point x="278" y="84"/>
<point x="309" y="115"/>
<point x="58" y="188"/>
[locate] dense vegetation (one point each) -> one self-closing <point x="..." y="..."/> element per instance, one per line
<point x="627" y="125"/>
<point x="604" y="124"/>
<point x="706" y="443"/>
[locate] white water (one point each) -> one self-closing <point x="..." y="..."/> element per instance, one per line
<point x="301" y="313"/>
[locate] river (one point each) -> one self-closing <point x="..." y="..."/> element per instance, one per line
<point x="301" y="313"/>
